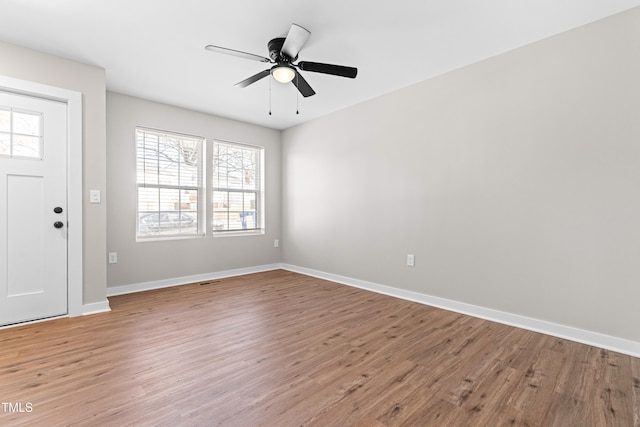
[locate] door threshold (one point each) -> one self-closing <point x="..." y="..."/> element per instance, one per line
<point x="29" y="322"/>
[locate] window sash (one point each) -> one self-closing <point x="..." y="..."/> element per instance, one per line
<point x="168" y="158"/>
<point x="247" y="219"/>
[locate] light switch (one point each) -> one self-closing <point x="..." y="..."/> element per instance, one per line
<point x="411" y="260"/>
<point x="94" y="196"/>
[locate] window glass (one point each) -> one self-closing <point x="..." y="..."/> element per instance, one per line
<point x="20" y="134"/>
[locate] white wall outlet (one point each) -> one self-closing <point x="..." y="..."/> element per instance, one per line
<point x="94" y="196"/>
<point x="113" y="257"/>
<point x="276" y="243"/>
<point x="411" y="260"/>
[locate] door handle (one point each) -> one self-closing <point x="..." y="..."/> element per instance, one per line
<point x="57" y="209"/>
<point x="58" y="224"/>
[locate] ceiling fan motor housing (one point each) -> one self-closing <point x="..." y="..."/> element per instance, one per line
<point x="275" y="47"/>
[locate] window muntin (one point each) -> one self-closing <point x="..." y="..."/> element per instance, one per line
<point x="169" y="180"/>
<point x="237" y="188"/>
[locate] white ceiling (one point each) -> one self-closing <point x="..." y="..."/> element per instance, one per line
<point x="154" y="49"/>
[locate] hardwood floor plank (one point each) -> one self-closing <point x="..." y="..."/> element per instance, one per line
<point x="534" y="394"/>
<point x="635" y="372"/>
<point x="283" y="349"/>
<point x="365" y="395"/>
<point x="431" y="412"/>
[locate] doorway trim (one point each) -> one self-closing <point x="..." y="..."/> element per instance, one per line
<point x="73" y="100"/>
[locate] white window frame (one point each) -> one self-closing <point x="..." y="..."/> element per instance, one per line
<point x="258" y="192"/>
<point x="199" y="189"/>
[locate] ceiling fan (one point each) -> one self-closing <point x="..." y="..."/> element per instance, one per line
<point x="283" y="52"/>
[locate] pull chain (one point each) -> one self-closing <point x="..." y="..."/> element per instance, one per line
<point x="269" y="95"/>
<point x="297" y="96"/>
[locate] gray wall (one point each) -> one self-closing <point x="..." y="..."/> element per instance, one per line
<point x="140" y="262"/>
<point x="26" y="64"/>
<point x="514" y="181"/>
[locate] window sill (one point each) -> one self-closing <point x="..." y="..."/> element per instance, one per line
<point x="163" y="238"/>
<point x="217" y="234"/>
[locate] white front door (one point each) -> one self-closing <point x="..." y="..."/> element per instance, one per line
<point x="33" y="208"/>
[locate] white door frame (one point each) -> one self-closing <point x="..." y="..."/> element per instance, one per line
<point x="73" y="100"/>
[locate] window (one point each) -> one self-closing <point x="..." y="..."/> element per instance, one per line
<point x="169" y="177"/>
<point x="237" y="188"/>
<point x="20" y="134"/>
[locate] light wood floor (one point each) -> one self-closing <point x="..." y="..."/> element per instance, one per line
<point x="282" y="349"/>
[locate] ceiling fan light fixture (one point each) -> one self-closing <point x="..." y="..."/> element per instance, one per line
<point x="283" y="73"/>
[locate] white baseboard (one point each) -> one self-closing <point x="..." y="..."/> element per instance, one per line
<point x="96" y="307"/>
<point x="596" y="339"/>
<point x="176" y="281"/>
<point x="583" y="336"/>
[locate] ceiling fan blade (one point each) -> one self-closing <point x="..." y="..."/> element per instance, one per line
<point x="302" y="85"/>
<point x="238" y="53"/>
<point x="336" y="70"/>
<point x="296" y="38"/>
<point x="253" y="79"/>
